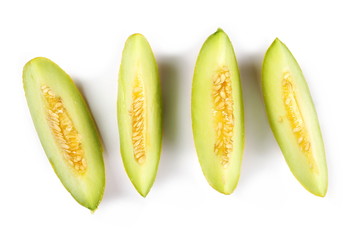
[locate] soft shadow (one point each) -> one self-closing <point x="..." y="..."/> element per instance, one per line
<point x="170" y="68"/>
<point x="104" y="115"/>
<point x="259" y="139"/>
<point x="170" y="79"/>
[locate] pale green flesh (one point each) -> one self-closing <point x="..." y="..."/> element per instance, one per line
<point x="217" y="51"/>
<point x="86" y="188"/>
<point x="138" y="59"/>
<point x="279" y="60"/>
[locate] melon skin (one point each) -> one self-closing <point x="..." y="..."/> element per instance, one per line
<point x="86" y="186"/>
<point x="139" y="90"/>
<point x="220" y="156"/>
<point x="293" y="118"/>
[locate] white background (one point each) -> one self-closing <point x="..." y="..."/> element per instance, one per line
<point x="86" y="39"/>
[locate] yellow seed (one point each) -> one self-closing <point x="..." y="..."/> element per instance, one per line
<point x="217" y="81"/>
<point x="55" y="127"/>
<point x="138" y="149"/>
<point x="137" y="90"/>
<point x="139" y="155"/>
<point x="138" y="112"/>
<point x="222" y="78"/>
<point x="64" y="146"/>
<point x="136" y="138"/>
<point x="222" y="94"/>
<point x="220" y="105"/>
<point x="136" y="105"/>
<point x="84" y="163"/>
<point x="297" y="129"/>
<point x="139" y="126"/>
<point x="54" y="115"/>
<point x="217" y="99"/>
<point x="78" y="158"/>
<point x="136" y="143"/>
<point x="57" y="105"/>
<point x="219" y="132"/>
<point x="286" y="75"/>
<point x="217" y="87"/>
<point x="141" y="160"/>
<point x="227" y="134"/>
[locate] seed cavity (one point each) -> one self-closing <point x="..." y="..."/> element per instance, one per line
<point x="64" y="131"/>
<point x="296" y="120"/>
<point x="137" y="113"/>
<point x="223" y="114"/>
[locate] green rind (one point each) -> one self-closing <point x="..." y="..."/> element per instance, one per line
<point x="278" y="60"/>
<point x="216" y="52"/>
<point x="87" y="188"/>
<point x="138" y="58"/>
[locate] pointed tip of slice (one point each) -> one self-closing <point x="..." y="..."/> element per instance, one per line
<point x="28" y="69"/>
<point x="277" y="40"/>
<point x="92" y="210"/>
<point x="143" y="186"/>
<point x="224" y="189"/>
<point x="136" y="43"/>
<point x="277" y="43"/>
<point x="319" y="191"/>
<point x="90" y="202"/>
<point x="219" y="36"/>
<point x="219" y="30"/>
<point x="30" y="62"/>
<point x="225" y="192"/>
<point x="136" y="36"/>
<point x="36" y="60"/>
<point x="143" y="192"/>
<point x="320" y="195"/>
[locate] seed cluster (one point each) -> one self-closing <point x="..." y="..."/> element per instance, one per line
<point x="295" y="117"/>
<point x="223" y="114"/>
<point x="64" y="131"/>
<point x="138" y="119"/>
